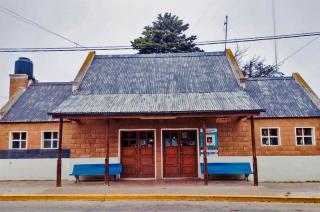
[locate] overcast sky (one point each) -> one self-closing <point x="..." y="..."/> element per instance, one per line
<point x="117" y="22"/>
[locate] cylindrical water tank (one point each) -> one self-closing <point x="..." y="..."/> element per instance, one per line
<point x="24" y="66"/>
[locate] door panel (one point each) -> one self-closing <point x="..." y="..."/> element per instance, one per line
<point x="137" y="154"/>
<point x="180" y="153"/>
<point x="146" y="154"/>
<point x="129" y="153"/>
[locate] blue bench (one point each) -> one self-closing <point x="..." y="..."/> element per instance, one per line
<point x="228" y="168"/>
<point x="94" y="169"/>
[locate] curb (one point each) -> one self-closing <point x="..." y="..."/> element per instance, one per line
<point x="154" y="197"/>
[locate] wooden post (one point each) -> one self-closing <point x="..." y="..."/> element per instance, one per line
<point x="254" y="154"/>
<point x="106" y="161"/>
<point x="205" y="162"/>
<point x="59" y="155"/>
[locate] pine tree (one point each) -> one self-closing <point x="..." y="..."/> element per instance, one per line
<point x="166" y="35"/>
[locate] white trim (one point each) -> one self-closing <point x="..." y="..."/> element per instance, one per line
<point x="313" y="136"/>
<point x="178" y="178"/>
<point x="161" y="148"/>
<point x="42" y="139"/>
<point x="155" y="149"/>
<point x="137" y="178"/>
<point x="279" y="136"/>
<point x="10" y="140"/>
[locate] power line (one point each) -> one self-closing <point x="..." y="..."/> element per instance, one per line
<point x="298" y="50"/>
<point x="30" y="22"/>
<point x="107" y="48"/>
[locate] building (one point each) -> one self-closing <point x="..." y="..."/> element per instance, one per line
<point x="148" y="112"/>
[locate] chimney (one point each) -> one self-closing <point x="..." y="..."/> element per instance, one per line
<point x="22" y="77"/>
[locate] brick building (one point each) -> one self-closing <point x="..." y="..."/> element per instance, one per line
<point x="148" y="113"/>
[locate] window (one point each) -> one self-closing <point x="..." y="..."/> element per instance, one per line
<point x="128" y="139"/>
<point x="304" y="136"/>
<point x="18" y="140"/>
<point x="270" y="136"/>
<point x="50" y="140"/>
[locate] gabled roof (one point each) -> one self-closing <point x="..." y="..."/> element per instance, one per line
<point x="281" y="97"/>
<point x="158" y="83"/>
<point x="39" y="98"/>
<point x="201" y="72"/>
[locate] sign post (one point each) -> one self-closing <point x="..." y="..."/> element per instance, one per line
<point x="205" y="162"/>
<point x="208" y="147"/>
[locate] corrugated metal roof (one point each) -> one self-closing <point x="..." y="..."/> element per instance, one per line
<point x="281" y="97"/>
<point x="159" y="73"/>
<point x="158" y="83"/>
<point x="36" y="101"/>
<point x="157" y="103"/>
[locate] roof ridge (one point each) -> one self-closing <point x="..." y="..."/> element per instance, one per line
<point x="162" y="55"/>
<point x="50" y="83"/>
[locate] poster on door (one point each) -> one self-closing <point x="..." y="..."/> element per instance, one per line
<point x="211" y="140"/>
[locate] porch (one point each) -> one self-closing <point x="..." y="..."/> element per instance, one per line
<point x="159" y="147"/>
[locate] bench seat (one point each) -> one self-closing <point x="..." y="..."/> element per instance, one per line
<point x="94" y="169"/>
<point x="228" y="168"/>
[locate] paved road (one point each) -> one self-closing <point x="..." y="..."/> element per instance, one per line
<point x="152" y="206"/>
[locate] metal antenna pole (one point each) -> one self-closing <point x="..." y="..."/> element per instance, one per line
<point x="226" y="33"/>
<point x="274" y="33"/>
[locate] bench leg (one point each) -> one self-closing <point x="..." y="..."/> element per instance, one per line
<point x="77" y="179"/>
<point x="246" y="177"/>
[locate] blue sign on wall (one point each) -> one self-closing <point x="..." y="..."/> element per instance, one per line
<point x="211" y="141"/>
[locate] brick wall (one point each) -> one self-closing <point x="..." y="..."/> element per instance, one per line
<point x="33" y="129"/>
<point x="87" y="138"/>
<point x="287" y="132"/>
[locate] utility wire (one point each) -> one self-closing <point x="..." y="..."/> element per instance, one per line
<point x="298" y="50"/>
<point x="107" y="48"/>
<point x="30" y="22"/>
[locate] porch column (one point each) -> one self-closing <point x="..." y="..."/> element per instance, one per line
<point x="254" y="154"/>
<point x="205" y="162"/>
<point x="106" y="161"/>
<point x="58" y="179"/>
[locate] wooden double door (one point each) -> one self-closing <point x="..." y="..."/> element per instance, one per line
<point x="137" y="154"/>
<point x="180" y="153"/>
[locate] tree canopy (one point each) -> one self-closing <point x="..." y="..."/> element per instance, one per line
<point x="165" y="35"/>
<point x="255" y="66"/>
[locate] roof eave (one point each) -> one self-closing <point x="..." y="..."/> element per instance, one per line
<point x="171" y="113"/>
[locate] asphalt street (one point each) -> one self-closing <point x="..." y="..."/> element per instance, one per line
<point x="167" y="206"/>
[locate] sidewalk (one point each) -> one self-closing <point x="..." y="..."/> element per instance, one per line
<point x="163" y="187"/>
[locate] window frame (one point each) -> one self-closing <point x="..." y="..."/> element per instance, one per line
<point x="268" y="128"/>
<point x="11" y="140"/>
<point x="51" y="140"/>
<point x="313" y="136"/>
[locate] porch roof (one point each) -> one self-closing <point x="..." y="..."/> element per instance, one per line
<point x="157" y="103"/>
